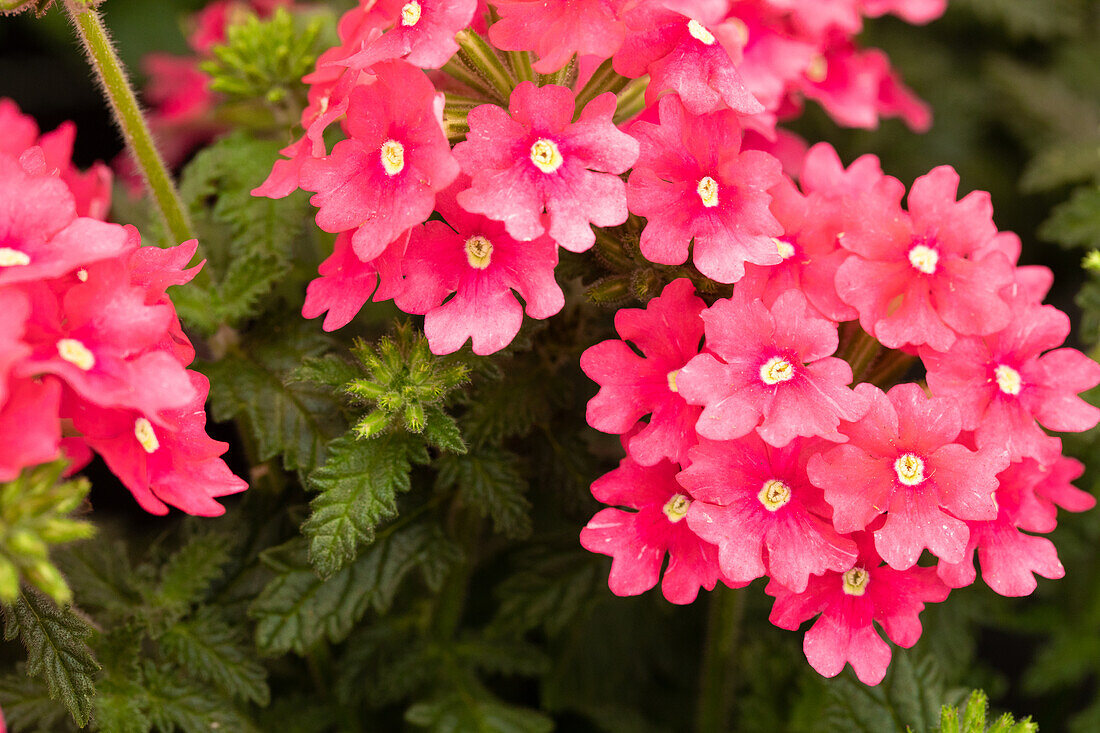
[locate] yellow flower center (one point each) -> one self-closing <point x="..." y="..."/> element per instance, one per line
<point x="410" y="13"/>
<point x="699" y="33"/>
<point x="672" y="380"/>
<point x="774" y="494"/>
<point x="855" y="581"/>
<point x="784" y="248"/>
<point x="393" y="157"/>
<point x="776" y="370"/>
<point x="910" y="469"/>
<point x="76" y="353"/>
<point x="82" y="275"/>
<point x="143" y="431"/>
<point x="1008" y="379"/>
<point x="708" y="191"/>
<point x="13" y="258"/>
<point x="478" y="251"/>
<point x="924" y="258"/>
<point x="545" y="155"/>
<point x="677" y="507"/>
<point x="817" y="70"/>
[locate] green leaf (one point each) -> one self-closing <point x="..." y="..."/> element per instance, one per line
<point x="358" y="488"/>
<point x="248" y="240"/>
<point x="462" y="713"/>
<point x="549" y="590"/>
<point x="442" y="431"/>
<point x="491" y="481"/>
<point x="213" y="651"/>
<point x="1027" y="19"/>
<point x="174" y="701"/>
<point x="57" y="650"/>
<point x="191" y="570"/>
<point x="909" y="698"/>
<point x="330" y="370"/>
<point x="297" y="608"/>
<point x="1075" y="223"/>
<point x="28" y="706"/>
<point x="295" y="420"/>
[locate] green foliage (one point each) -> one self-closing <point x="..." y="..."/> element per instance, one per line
<point x="973" y="718"/>
<point x="215" y="652"/>
<point x="285" y="417"/>
<point x="492" y="482"/>
<point x="358" y="488"/>
<point x="249" y="241"/>
<point x="34" y="514"/>
<point x="297" y="609"/>
<point x="1075" y="223"/>
<point x="57" y="650"/>
<point x="406" y="383"/>
<point x="266" y="60"/>
<point x="459" y="713"/>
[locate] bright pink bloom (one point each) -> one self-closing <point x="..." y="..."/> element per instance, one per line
<point x="850" y="604"/>
<point x="557" y="30"/>
<point x="29" y="429"/>
<point x="668" y="332"/>
<point x="683" y="55"/>
<point x="639" y="540"/>
<point x="383" y="179"/>
<point x="693" y="183"/>
<point x="41" y="235"/>
<point x="172" y="462"/>
<point x="346" y="282"/>
<point x="775" y="371"/>
<point x="823" y="173"/>
<point x="91" y="190"/>
<point x="914" y="277"/>
<point x="904" y="458"/>
<point x="422" y="32"/>
<point x="1009" y="558"/>
<point x="475" y="259"/>
<point x="16" y="308"/>
<point x="534" y="158"/>
<point x="856" y="87"/>
<point x="1004" y="382"/>
<point x="911" y="11"/>
<point x="755" y="502"/>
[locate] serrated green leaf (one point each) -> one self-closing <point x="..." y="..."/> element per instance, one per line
<point x="191" y="569"/>
<point x="358" y="486"/>
<point x="297" y="608"/>
<point x="442" y="431"/>
<point x="1075" y="223"/>
<point x="1061" y="164"/>
<point x="549" y="591"/>
<point x="294" y="420"/>
<point x="213" y="651"/>
<point x="57" y="651"/>
<point x="173" y="702"/>
<point x="330" y="370"/>
<point x="909" y="698"/>
<point x="247" y="240"/>
<point x="28" y="706"/>
<point x="490" y="481"/>
<point x="973" y="718"/>
<point x="462" y="713"/>
<point x="1027" y="19"/>
<point x="501" y="656"/>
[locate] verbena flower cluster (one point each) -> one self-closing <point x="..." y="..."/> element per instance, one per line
<point x="92" y="356"/>
<point x="765" y="432"/>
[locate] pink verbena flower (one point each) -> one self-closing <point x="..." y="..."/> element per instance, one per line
<point x="534" y="158"/>
<point x="639" y="540"/>
<point x="172" y="462"/>
<point x="668" y="333"/>
<point x="41" y="235"/>
<point x="474" y="259"/>
<point x="694" y="184"/>
<point x="850" y="604"/>
<point x="1005" y="385"/>
<point x="383" y="179"/>
<point x="773" y="372"/>
<point x="346" y="282"/>
<point x="421" y="32"/>
<point x="911" y="11"/>
<point x="914" y="277"/>
<point x="29" y="429"/>
<point x="557" y="30"/>
<point x="688" y="56"/>
<point x="904" y="458"/>
<point x="755" y="502"/>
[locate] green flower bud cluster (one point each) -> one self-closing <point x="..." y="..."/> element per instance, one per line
<point x="34" y="511"/>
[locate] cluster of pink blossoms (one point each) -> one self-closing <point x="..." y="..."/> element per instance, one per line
<point x="749" y="452"/>
<point x="92" y="357"/>
<point x="540" y="173"/>
<point x="758" y="457"/>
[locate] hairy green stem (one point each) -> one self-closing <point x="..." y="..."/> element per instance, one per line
<point x="478" y="55"/>
<point x="102" y="56"/>
<point x="716" y="678"/>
